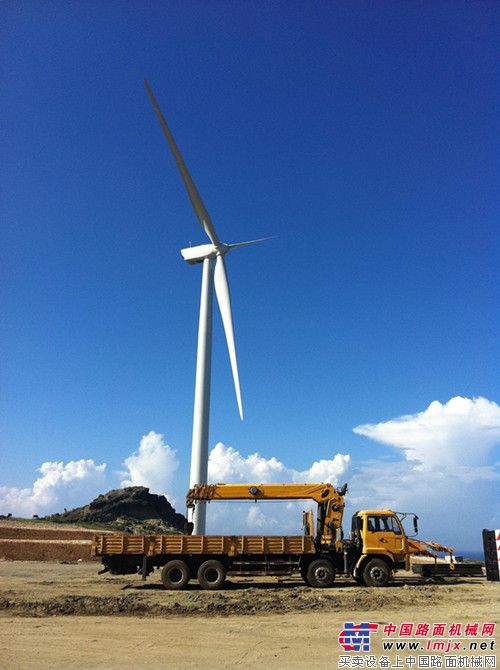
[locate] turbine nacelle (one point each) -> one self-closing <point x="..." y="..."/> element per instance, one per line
<point x="193" y="255"/>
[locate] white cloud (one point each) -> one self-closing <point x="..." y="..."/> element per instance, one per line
<point x="227" y="465"/>
<point x="325" y="470"/>
<point x="460" y="433"/>
<point x="447" y="475"/>
<point x="153" y="465"/>
<point x="60" y="485"/>
<point x="257" y="521"/>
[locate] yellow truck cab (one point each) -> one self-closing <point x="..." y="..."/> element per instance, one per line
<point x="382" y="545"/>
<point x="383" y="533"/>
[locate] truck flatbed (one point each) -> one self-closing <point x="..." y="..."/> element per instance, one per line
<point x="179" y="545"/>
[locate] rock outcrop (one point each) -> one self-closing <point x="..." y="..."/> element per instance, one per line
<point x="133" y="510"/>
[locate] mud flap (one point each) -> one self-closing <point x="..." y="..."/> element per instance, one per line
<point x="144" y="569"/>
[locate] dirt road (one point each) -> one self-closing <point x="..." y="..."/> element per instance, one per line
<point x="251" y="624"/>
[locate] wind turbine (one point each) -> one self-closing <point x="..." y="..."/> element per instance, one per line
<point x="205" y="254"/>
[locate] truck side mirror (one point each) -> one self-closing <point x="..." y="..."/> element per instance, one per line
<point x="415" y="524"/>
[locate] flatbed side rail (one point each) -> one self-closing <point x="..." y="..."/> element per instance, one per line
<point x="229" y="545"/>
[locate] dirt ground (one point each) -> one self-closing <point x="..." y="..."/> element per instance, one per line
<point x="66" y="616"/>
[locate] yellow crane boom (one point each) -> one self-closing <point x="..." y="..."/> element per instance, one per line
<point x="317" y="492"/>
<point x="330" y="500"/>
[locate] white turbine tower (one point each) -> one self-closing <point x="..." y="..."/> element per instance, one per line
<point x="205" y="254"/>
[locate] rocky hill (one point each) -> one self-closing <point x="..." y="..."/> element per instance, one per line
<point x="131" y="510"/>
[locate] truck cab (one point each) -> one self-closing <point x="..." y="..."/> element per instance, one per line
<point x="383" y="533"/>
<point x="380" y="544"/>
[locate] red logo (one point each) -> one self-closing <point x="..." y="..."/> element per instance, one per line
<point x="356" y="636"/>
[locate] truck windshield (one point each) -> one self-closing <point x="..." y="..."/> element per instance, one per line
<point x="386" y="524"/>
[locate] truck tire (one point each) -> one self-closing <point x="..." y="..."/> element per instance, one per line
<point x="175" y="575"/>
<point x="320" y="573"/>
<point x="376" y="572"/>
<point x="211" y="575"/>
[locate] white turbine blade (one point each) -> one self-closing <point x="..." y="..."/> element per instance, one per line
<point x="196" y="201"/>
<point x="224" y="300"/>
<point x="244" y="244"/>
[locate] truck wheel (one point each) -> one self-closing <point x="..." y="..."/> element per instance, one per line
<point x="376" y="572"/>
<point x="321" y="573"/>
<point x="175" y="575"/>
<point x="359" y="580"/>
<point x="211" y="575"/>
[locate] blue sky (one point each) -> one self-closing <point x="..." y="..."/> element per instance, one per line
<point x="362" y="135"/>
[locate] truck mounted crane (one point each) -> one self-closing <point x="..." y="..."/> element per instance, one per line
<point x="330" y="501"/>
<point x="376" y="548"/>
